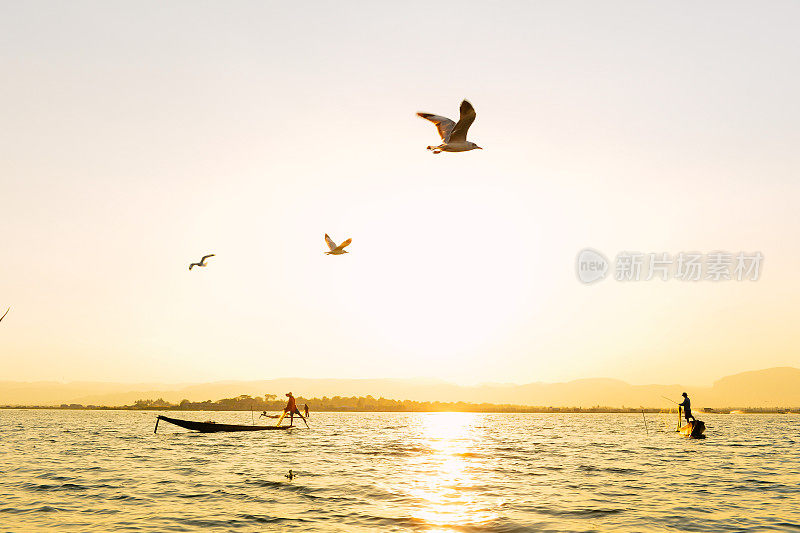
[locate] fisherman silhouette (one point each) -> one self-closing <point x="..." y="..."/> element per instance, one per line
<point x="291" y="410"/>
<point x="687" y="408"/>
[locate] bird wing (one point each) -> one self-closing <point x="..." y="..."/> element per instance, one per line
<point x="192" y="264"/>
<point x="203" y="260"/>
<point x="464" y="122"/>
<point x="443" y="124"/>
<point x="4" y="314"/>
<point x="345" y="243"/>
<point x="331" y="244"/>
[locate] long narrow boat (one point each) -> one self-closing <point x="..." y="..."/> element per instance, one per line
<point x="213" y="427"/>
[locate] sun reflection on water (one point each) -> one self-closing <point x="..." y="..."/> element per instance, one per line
<point x="445" y="481"/>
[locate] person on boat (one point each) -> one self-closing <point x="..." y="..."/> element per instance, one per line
<point x="687" y="408"/>
<point x="290" y="409"/>
<point x="305" y="409"/>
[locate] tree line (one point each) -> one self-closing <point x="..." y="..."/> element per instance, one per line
<point x="271" y="402"/>
<point x="365" y="404"/>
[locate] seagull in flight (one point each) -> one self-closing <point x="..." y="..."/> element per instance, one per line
<point x="453" y="134"/>
<point x="4" y="314"/>
<point x="202" y="262"/>
<point x="337" y="250"/>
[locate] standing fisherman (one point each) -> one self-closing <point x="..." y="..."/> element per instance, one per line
<point x="687" y="408"/>
<point x="291" y="409"/>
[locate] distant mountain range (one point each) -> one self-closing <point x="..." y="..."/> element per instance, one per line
<point x="772" y="387"/>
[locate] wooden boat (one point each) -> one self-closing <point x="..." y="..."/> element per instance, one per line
<point x="693" y="429"/>
<point x="213" y="427"/>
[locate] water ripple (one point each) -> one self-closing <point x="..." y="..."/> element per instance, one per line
<point x="107" y="471"/>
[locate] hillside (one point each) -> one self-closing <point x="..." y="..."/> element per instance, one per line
<point x="760" y="388"/>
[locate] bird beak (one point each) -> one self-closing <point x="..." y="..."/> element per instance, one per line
<point x="479" y="148"/>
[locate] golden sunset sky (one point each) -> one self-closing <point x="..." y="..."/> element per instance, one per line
<point x="137" y="137"/>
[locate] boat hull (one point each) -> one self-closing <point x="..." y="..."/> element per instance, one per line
<point x="693" y="429"/>
<point x="212" y="427"/>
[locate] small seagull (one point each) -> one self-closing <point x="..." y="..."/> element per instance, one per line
<point x="290" y="476"/>
<point x="202" y="262"/>
<point x="4" y="314"/>
<point x="454" y="135"/>
<point x="337" y="250"/>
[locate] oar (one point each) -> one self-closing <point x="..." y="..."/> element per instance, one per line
<point x="304" y="420"/>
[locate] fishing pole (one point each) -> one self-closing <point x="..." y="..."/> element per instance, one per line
<point x="645" y="424"/>
<point x="679" y="410"/>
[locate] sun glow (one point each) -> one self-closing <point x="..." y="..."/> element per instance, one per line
<point x="447" y="482"/>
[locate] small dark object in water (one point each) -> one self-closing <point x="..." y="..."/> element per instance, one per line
<point x="290" y="476"/>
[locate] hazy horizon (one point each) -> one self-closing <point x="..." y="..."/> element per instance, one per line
<point x="379" y="378"/>
<point x="770" y="387"/>
<point x="139" y="137"/>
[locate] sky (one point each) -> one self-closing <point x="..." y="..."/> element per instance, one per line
<point x="139" y="136"/>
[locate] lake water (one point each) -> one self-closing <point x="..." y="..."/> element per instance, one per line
<point x="443" y="472"/>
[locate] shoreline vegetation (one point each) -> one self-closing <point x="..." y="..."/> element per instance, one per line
<point x="340" y="404"/>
